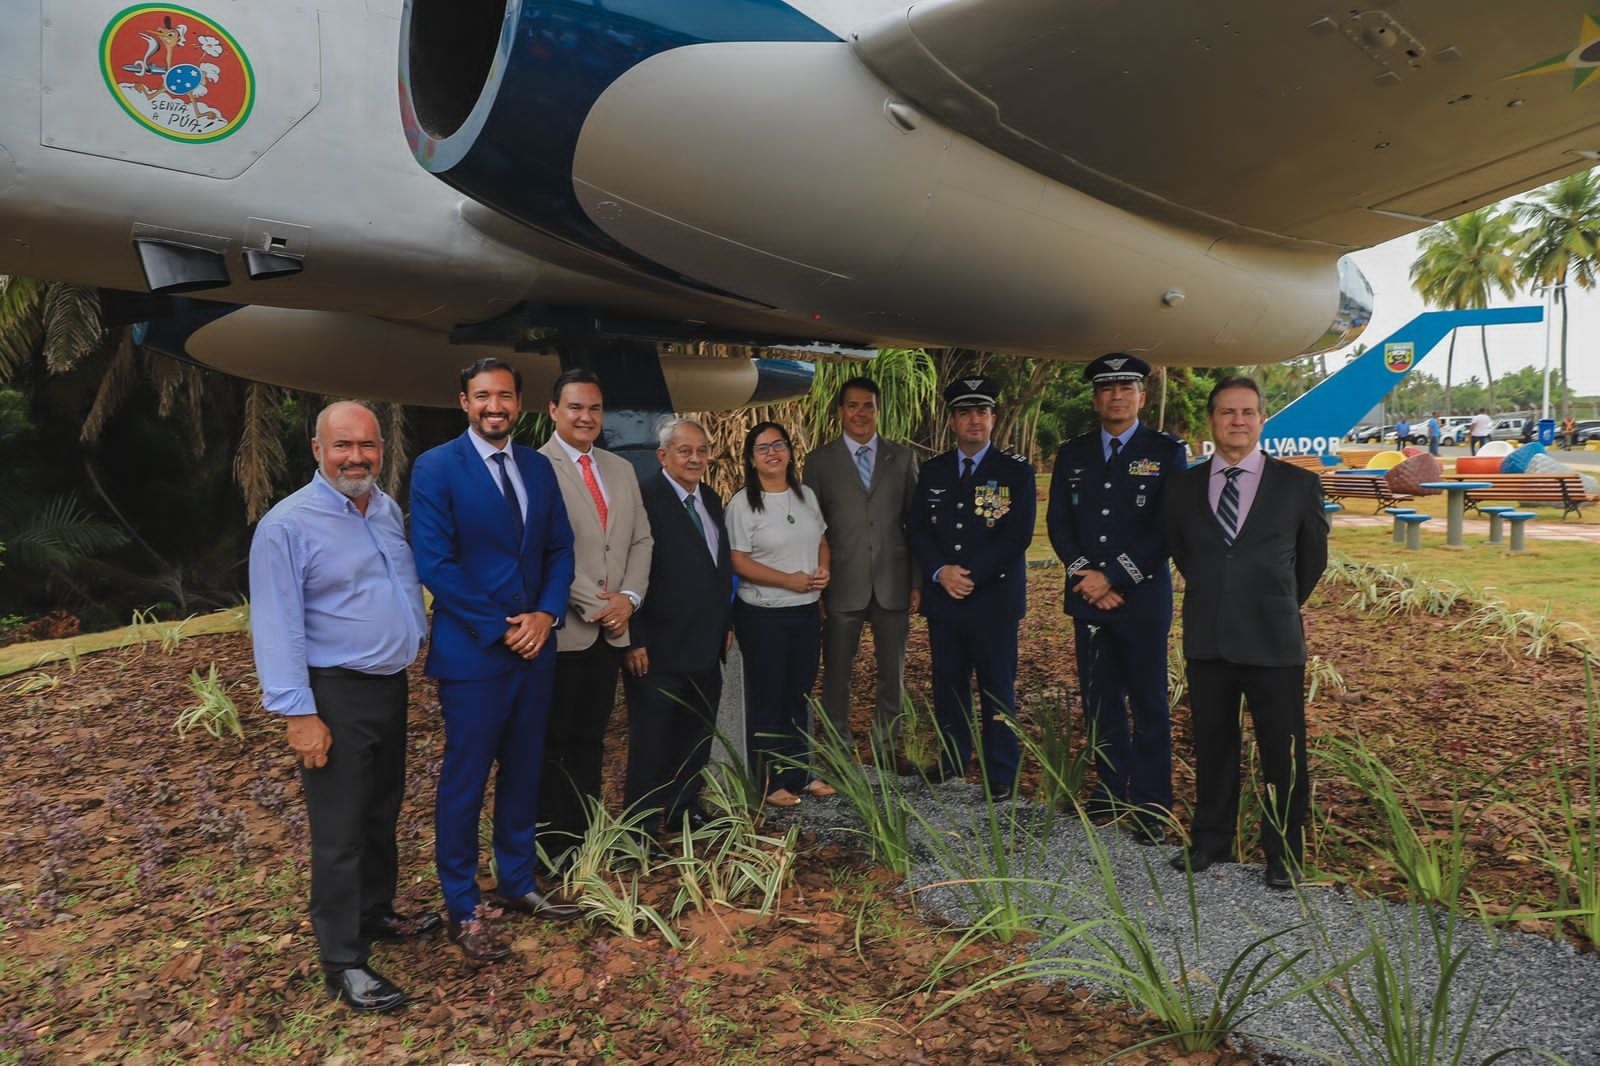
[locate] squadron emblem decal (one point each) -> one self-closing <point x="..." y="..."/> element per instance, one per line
<point x="177" y="72"/>
<point x="1583" y="60"/>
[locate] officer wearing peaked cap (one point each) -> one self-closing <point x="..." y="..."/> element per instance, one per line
<point x="1104" y="520"/>
<point x="970" y="523"/>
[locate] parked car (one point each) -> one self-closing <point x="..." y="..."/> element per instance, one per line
<point x="1416" y="435"/>
<point x="1370" y="434"/>
<point x="1508" y="428"/>
<point x="1588" y="430"/>
<point x="1452" y="430"/>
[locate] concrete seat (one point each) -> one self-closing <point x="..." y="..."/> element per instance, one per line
<point x="1413" y="527"/>
<point x="1399" y="526"/>
<point x="1496" y="527"/>
<point x="1518" y="520"/>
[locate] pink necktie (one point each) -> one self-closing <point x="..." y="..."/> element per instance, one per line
<point x="594" y="488"/>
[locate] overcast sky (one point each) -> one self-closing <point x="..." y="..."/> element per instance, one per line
<point x="1388" y="269"/>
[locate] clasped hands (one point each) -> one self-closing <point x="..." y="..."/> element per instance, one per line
<point x="528" y="632"/>
<point x="801" y="581"/>
<point x="1096" y="590"/>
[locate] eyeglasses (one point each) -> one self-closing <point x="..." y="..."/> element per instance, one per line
<point x="776" y="447"/>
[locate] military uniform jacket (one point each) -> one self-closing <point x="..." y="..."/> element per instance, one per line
<point x="986" y="529"/>
<point x="1107" y="517"/>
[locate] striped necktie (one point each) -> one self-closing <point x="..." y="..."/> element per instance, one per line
<point x="864" y="466"/>
<point x="1228" y="505"/>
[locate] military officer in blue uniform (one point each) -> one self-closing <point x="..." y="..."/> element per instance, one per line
<point x="1104" y="520"/>
<point x="970" y="523"/>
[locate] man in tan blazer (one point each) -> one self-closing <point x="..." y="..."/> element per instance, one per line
<point x="864" y="485"/>
<point x="611" y="548"/>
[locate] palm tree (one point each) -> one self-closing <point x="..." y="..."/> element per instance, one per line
<point x="1459" y="265"/>
<point x="1563" y="243"/>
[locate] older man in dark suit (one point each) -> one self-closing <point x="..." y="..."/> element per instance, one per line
<point x="681" y="633"/>
<point x="864" y="485"/>
<point x="1249" y="535"/>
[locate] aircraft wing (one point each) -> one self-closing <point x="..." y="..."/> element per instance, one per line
<point x="1305" y="121"/>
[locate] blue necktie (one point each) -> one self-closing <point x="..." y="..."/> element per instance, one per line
<point x="511" y="495"/>
<point x="1228" y="505"/>
<point x="864" y="466"/>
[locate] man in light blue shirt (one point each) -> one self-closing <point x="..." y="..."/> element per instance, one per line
<point x="336" y="617"/>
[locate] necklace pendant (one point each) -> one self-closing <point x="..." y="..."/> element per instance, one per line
<point x="791" y="519"/>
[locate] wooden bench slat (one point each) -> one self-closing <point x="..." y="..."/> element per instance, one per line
<point x="1564" y="489"/>
<point x="1361" y="486"/>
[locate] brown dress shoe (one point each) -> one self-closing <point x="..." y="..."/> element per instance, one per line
<point x="477" y="940"/>
<point x="541" y="906"/>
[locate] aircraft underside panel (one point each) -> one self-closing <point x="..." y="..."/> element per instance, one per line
<point x="174" y="88"/>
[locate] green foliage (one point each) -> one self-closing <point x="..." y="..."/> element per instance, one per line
<point x="56" y="537"/>
<point x="1461" y="264"/>
<point x="880" y="804"/>
<point x="906" y="377"/>
<point x="215" y="712"/>
<point x="1402" y="1023"/>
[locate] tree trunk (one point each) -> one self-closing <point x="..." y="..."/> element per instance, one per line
<point x="1483" y="342"/>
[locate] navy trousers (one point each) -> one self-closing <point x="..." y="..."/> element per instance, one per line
<point x="671" y="720"/>
<point x="497" y="722"/>
<point x="782" y="649"/>
<point x="960" y="648"/>
<point x="1122" y="672"/>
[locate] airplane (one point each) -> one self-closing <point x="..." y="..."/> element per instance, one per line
<point x="356" y="197"/>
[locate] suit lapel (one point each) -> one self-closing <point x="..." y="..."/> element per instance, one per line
<point x="483" y="486"/>
<point x="1267" y="474"/>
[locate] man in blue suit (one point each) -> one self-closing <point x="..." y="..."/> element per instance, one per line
<point x="493" y="545"/>
<point x="1105" y="524"/>
<point x="970" y="523"/>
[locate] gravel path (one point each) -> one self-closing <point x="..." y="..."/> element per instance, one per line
<point x="1532" y="992"/>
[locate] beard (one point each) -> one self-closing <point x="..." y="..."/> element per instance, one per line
<point x="353" y="487"/>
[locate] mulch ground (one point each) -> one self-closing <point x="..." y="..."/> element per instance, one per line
<point x="152" y="893"/>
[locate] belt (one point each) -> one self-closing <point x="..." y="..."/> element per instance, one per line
<point x="346" y="674"/>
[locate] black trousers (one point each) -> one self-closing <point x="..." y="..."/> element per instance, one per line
<point x="671" y="720"/>
<point x="353" y="803"/>
<point x="782" y="649"/>
<point x="1276" y="698"/>
<point x="574" y="743"/>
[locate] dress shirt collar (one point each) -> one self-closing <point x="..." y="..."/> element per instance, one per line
<point x="487" y="451"/>
<point x="977" y="458"/>
<point x="1106" y="438"/>
<point x="1252" y="464"/>
<point x="572" y="453"/>
<point x="682" y="492"/>
<point x="871" y="446"/>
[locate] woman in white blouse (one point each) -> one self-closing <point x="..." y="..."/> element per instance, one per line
<point x="776" y="537"/>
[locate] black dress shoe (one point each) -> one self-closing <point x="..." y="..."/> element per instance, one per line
<point x="477" y="941"/>
<point x="364" y="990"/>
<point x="1143" y="833"/>
<point x="1280" y="874"/>
<point x="1196" y="859"/>
<point x="698" y="819"/>
<point x="541" y="906"/>
<point x="392" y="926"/>
<point x="1001" y="793"/>
<point x="906" y="768"/>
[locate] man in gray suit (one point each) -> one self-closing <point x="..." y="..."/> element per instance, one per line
<point x="864" y="485"/>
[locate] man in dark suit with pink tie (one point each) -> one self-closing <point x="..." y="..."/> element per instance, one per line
<point x="493" y="544"/>
<point x="1250" y="537"/>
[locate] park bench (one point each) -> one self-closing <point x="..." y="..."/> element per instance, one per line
<point x="1565" y="490"/>
<point x="1374" y="487"/>
<point x="1305" y="462"/>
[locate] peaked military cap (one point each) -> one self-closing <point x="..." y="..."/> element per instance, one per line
<point x="976" y="391"/>
<point x="1116" y="366"/>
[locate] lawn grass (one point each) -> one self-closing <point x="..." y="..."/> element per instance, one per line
<point x="1563" y="575"/>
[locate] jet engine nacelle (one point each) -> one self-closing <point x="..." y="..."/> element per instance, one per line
<point x="777" y="168"/>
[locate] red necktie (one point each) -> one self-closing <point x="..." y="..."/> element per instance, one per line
<point x="594" y="488"/>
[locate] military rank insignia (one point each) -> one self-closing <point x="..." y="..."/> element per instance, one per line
<point x="1144" y="468"/>
<point x="991" y="501"/>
